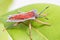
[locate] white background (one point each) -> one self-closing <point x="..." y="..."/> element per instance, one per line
<point x="20" y="3"/>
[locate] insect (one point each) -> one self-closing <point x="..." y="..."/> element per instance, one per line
<point x="27" y="16"/>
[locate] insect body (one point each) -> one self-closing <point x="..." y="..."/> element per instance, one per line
<point x="21" y="17"/>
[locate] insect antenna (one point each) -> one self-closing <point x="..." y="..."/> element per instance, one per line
<point x="43" y="10"/>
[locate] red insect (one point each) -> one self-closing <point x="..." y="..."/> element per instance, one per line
<point x="21" y="17"/>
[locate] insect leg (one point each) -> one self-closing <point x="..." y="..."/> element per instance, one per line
<point x="16" y="23"/>
<point x="30" y="31"/>
<point x="41" y="22"/>
<point x="30" y="28"/>
<point x="44" y="16"/>
<point x="13" y="25"/>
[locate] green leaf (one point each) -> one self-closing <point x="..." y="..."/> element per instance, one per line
<point x="4" y="35"/>
<point x="39" y="31"/>
<point x="4" y="4"/>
